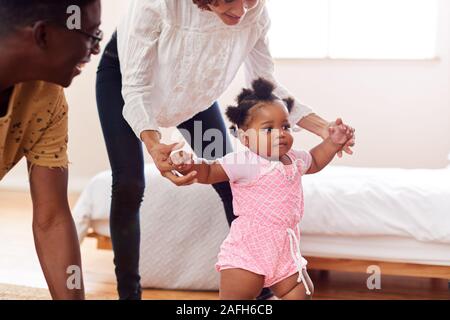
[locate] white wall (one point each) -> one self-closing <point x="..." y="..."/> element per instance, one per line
<point x="401" y="109"/>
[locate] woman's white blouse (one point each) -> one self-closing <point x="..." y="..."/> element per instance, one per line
<point x="176" y="60"/>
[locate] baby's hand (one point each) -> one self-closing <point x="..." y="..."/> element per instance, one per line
<point x="341" y="134"/>
<point x="182" y="160"/>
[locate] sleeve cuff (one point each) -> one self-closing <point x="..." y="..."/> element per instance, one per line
<point x="298" y="112"/>
<point x="49" y="163"/>
<point x="139" y="121"/>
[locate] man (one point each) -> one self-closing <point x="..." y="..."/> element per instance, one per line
<point x="40" y="53"/>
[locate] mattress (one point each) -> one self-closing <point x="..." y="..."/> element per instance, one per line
<point x="182" y="227"/>
<point x="381" y="248"/>
<point x="346" y="201"/>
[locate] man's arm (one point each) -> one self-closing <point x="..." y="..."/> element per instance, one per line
<point x="54" y="232"/>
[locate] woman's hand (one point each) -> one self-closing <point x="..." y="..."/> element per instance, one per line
<point x="350" y="143"/>
<point x="183" y="161"/>
<point x="161" y="156"/>
<point x="340" y="135"/>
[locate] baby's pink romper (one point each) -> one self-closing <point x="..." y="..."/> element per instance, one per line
<point x="268" y="201"/>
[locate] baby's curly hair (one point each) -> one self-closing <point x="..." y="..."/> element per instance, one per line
<point x="203" y="4"/>
<point x="262" y="91"/>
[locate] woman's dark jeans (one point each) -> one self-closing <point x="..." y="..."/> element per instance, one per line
<point x="125" y="154"/>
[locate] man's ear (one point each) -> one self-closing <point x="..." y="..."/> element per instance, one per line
<point x="40" y="34"/>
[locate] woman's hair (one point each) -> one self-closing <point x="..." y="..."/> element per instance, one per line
<point x="203" y="4"/>
<point x="262" y="91"/>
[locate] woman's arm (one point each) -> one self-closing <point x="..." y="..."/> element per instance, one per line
<point x="137" y="43"/>
<point x="260" y="63"/>
<point x="321" y="127"/>
<point x="315" y="124"/>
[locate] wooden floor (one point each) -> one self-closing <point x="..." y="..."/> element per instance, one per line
<point x="19" y="266"/>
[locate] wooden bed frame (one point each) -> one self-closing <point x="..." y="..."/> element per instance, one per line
<point x="347" y="265"/>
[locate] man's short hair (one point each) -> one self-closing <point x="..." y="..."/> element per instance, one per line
<point x="15" y="14"/>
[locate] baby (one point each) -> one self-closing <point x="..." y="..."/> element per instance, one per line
<point x="263" y="246"/>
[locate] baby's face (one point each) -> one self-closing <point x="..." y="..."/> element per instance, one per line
<point x="269" y="133"/>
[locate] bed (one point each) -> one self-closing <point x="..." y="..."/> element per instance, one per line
<point x="396" y="219"/>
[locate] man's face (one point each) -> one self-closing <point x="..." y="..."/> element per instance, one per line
<point x="68" y="50"/>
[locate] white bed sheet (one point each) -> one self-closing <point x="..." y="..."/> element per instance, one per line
<point x="345" y="201"/>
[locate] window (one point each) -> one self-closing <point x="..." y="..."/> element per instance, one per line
<point x="354" y="29"/>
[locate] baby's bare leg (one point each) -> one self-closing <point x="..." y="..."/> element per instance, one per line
<point x="239" y="284"/>
<point x="290" y="289"/>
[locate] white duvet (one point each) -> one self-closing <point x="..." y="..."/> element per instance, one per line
<point x="387" y="202"/>
<point x="182" y="228"/>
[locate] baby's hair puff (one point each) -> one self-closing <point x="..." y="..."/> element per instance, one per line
<point x="262" y="91"/>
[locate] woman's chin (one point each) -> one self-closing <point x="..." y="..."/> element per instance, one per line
<point x="229" y="21"/>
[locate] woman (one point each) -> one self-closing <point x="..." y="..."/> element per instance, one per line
<point x="166" y="66"/>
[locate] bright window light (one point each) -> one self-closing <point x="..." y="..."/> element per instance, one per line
<point x="354" y="29"/>
<point x="299" y="28"/>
